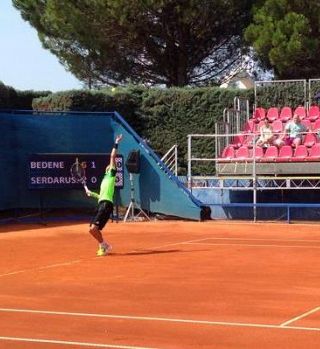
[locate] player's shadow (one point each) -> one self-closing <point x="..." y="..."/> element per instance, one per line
<point x="139" y="253"/>
<point x="148" y="252"/>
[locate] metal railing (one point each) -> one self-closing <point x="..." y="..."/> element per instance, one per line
<point x="249" y="175"/>
<point x="170" y="158"/>
<point x="314" y="91"/>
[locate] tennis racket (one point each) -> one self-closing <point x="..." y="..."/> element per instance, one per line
<point x="78" y="172"/>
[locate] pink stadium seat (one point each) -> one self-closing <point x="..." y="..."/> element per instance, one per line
<point x="249" y="126"/>
<point x="300" y="153"/>
<point x="237" y="141"/>
<point x="228" y="153"/>
<point x="277" y="126"/>
<point x="301" y="111"/>
<point x="273" y="114"/>
<point x="243" y="153"/>
<point x="285" y="153"/>
<point x="259" y="114"/>
<point x="316" y="125"/>
<point x="258" y="152"/>
<point x="270" y="154"/>
<point x="309" y="140"/>
<point x="314" y="153"/>
<point x="307" y="124"/>
<point x="313" y="113"/>
<point x="285" y="114"/>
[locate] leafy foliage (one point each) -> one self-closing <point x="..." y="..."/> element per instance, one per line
<point x="280" y="94"/>
<point x="163" y="117"/>
<point x="285" y="36"/>
<point x="15" y="99"/>
<point x="170" y="42"/>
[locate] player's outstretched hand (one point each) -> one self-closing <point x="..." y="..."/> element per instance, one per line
<point x="118" y="138"/>
<point x="87" y="190"/>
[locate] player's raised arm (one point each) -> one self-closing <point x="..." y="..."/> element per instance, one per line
<point x="113" y="154"/>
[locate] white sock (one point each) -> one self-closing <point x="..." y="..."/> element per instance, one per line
<point x="103" y="244"/>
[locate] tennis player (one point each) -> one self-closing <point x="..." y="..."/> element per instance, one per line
<point x="105" y="202"/>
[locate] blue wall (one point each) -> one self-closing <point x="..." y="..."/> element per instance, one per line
<point x="23" y="133"/>
<point x="271" y="204"/>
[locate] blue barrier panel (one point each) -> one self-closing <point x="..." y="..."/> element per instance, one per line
<point x="26" y="133"/>
<point x="287" y="206"/>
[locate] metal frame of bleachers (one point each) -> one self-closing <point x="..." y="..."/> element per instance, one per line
<point x="245" y="161"/>
<point x="253" y="172"/>
<point x="313" y="91"/>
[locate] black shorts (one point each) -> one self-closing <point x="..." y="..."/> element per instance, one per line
<point x="102" y="214"/>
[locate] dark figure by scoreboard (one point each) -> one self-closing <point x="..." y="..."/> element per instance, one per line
<point x="105" y="202"/>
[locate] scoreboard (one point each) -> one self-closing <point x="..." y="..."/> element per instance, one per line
<point x="54" y="170"/>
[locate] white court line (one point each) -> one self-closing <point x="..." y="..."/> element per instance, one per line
<point x="148" y="318"/>
<point x="222" y="238"/>
<point x="301" y="316"/>
<point x="41" y="268"/>
<point x="266" y="239"/>
<point x="82" y="344"/>
<point x="60" y="264"/>
<point x="195" y="241"/>
<point x="252" y="245"/>
<point x="78" y="261"/>
<point x="173" y="244"/>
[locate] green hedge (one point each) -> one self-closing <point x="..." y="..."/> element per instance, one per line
<point x="286" y="93"/>
<point x="163" y="117"/>
<point x="15" y="99"/>
<point x="174" y="113"/>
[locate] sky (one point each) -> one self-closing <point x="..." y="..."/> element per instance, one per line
<point x="24" y="64"/>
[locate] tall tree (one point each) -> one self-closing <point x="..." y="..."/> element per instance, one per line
<point x="171" y="42"/>
<point x="285" y="35"/>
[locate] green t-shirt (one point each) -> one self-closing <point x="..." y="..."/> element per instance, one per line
<point x="107" y="186"/>
<point x="295" y="130"/>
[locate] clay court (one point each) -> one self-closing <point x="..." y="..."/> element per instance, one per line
<point x="165" y="285"/>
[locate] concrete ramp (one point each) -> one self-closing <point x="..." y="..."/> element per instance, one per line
<point x="156" y="188"/>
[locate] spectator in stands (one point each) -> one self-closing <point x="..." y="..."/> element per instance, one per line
<point x="294" y="131"/>
<point x="266" y="135"/>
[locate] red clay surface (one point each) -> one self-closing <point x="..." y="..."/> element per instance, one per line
<point x="165" y="285"/>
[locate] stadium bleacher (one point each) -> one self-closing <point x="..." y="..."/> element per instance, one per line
<point x="242" y="146"/>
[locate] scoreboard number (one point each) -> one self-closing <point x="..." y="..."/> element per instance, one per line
<point x="57" y="170"/>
